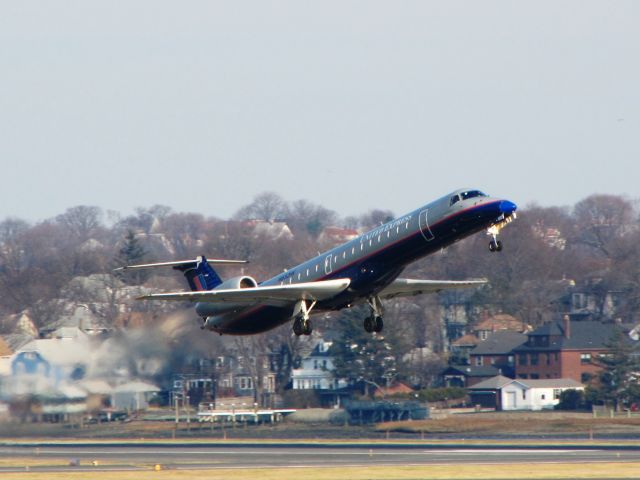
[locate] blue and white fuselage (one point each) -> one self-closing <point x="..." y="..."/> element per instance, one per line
<point x="365" y="269"/>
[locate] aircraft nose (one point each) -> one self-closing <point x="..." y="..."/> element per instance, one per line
<point x="507" y="207"/>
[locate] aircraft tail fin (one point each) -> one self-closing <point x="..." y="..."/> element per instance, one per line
<point x="199" y="273"/>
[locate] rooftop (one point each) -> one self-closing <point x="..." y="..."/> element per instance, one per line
<point x="500" y="343"/>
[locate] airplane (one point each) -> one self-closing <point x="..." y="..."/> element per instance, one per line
<point x="363" y="270"/>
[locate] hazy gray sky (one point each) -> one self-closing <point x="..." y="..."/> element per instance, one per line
<point x="200" y="105"/>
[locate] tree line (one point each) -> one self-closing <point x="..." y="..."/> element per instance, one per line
<point x="594" y="245"/>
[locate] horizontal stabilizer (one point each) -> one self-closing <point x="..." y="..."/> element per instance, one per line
<point x="276" y="295"/>
<point x="183" y="264"/>
<point x="406" y="287"/>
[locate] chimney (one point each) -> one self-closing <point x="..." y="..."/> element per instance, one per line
<point x="567" y="326"/>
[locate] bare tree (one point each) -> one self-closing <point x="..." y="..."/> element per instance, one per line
<point x="81" y="221"/>
<point x="267" y="206"/>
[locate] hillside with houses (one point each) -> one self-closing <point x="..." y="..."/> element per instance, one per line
<point x="560" y="312"/>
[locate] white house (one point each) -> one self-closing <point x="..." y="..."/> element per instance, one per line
<point x="508" y="394"/>
<point x="316" y="371"/>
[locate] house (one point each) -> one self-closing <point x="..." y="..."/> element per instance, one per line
<point x="461" y="348"/>
<point x="467" y="375"/>
<point x="498" y="323"/>
<point x="337" y="235"/>
<point x="134" y="395"/>
<point x="563" y="349"/>
<point x="505" y="393"/>
<point x="5" y="357"/>
<point x="273" y="230"/>
<point x="397" y="388"/>
<point x="316" y="370"/>
<point x="497" y="351"/>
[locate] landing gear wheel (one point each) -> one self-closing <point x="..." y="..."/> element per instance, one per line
<point x="369" y="325"/>
<point x="379" y="324"/>
<point x="307" y="328"/>
<point x="298" y="327"/>
<point x="498" y="246"/>
<point x="493" y="246"/>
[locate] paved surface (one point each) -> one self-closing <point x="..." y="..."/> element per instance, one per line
<point x="207" y="456"/>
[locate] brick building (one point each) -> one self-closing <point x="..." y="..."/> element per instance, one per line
<point x="497" y="351"/>
<point x="563" y="349"/>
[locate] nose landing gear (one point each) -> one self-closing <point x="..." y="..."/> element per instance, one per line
<point x="495" y="245"/>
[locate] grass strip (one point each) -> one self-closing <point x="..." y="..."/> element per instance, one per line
<point x="435" y="472"/>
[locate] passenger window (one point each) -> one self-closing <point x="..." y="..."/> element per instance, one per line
<point x="317" y="266"/>
<point x="344" y="255"/>
<point x="379" y="237"/>
<point x="353" y="251"/>
<point x="454" y="199"/>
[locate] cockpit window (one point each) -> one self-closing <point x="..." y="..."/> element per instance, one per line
<point x="472" y="194"/>
<point x="454" y="199"/>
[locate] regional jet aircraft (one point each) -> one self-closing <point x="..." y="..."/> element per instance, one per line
<point x="363" y="270"/>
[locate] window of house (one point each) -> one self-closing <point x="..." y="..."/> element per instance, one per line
<point x="585" y="358"/>
<point x="556" y="393"/>
<point x="524" y="394"/>
<point x="315" y="364"/>
<point x="579" y="301"/>
<point x="478" y="361"/>
<point x="543" y="396"/>
<point x="585" y="377"/>
<point x="535" y="376"/>
<point x="484" y="334"/>
<point x="534" y="359"/>
<point x="522" y="359"/>
<point x="511" y="359"/>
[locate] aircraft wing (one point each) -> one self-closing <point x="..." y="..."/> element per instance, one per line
<point x="406" y="287"/>
<point x="272" y="295"/>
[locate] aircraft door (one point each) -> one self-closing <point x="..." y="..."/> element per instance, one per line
<point x="328" y="264"/>
<point x="424" y="225"/>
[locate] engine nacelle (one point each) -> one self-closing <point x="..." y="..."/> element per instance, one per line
<point x="236" y="283"/>
<point x="205" y="309"/>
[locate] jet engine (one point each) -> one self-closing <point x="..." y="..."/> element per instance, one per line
<point x="237" y="282"/>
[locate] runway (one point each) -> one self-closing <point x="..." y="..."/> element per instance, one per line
<point x="57" y="457"/>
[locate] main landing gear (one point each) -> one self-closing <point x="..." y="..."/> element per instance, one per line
<point x="302" y="323"/>
<point x="374" y="322"/>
